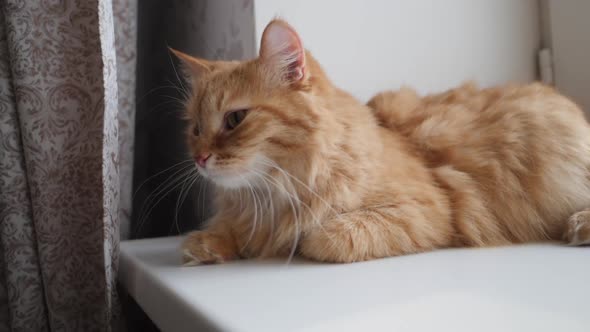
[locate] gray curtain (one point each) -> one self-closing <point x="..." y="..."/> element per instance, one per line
<point x="212" y="29"/>
<point x="66" y="139"/>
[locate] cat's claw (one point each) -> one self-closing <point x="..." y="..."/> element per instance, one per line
<point x="578" y="229"/>
<point x="189" y="259"/>
<point x="200" y="248"/>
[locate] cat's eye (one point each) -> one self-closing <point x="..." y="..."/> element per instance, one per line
<point x="234" y="118"/>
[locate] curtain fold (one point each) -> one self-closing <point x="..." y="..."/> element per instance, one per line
<point x="64" y="133"/>
<point x="22" y="297"/>
<point x="125" y="21"/>
<point x="212" y="29"/>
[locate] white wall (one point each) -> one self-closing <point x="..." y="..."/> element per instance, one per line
<point x="367" y="46"/>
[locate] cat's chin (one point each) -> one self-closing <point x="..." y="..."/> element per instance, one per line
<point x="250" y="176"/>
<point x="231" y="181"/>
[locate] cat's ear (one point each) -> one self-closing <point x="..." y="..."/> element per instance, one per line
<point x="193" y="67"/>
<point x="282" y="51"/>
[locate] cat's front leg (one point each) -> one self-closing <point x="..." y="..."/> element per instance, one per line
<point x="577" y="232"/>
<point x="376" y="233"/>
<point x="215" y="244"/>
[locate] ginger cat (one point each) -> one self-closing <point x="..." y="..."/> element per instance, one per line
<point x="302" y="167"/>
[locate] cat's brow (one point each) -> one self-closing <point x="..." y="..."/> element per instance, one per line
<point x="235" y="101"/>
<point x="221" y="100"/>
<point x="200" y="100"/>
<point x="292" y="122"/>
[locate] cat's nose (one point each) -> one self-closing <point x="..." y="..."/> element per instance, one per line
<point x="201" y="159"/>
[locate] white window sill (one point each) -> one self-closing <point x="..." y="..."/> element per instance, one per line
<point x="523" y="288"/>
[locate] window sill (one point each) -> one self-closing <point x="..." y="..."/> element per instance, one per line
<point x="522" y="288"/>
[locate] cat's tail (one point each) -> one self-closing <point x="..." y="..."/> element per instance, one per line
<point x="393" y="108"/>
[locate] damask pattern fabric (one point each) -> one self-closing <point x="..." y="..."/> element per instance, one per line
<point x="64" y="132"/>
<point x="21" y="290"/>
<point x="125" y="18"/>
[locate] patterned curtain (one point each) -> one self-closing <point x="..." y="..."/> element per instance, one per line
<point x="67" y="76"/>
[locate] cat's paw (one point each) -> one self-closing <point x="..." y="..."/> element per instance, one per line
<point x="578" y="229"/>
<point x="202" y="247"/>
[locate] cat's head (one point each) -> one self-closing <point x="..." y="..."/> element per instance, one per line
<point x="246" y="118"/>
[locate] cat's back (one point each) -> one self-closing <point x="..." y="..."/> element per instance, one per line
<point x="524" y="151"/>
<point x="404" y="109"/>
<point x="488" y="122"/>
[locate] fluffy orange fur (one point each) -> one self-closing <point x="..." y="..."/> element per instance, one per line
<point x="302" y="167"/>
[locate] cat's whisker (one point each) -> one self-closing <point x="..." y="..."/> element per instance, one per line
<point x="253" y="229"/>
<point x="173" y="103"/>
<point x="196" y="178"/>
<point x="305" y="186"/>
<point x="172" y="179"/>
<point x="296" y="197"/>
<point x="167" y="189"/>
<point x="168" y="181"/>
<point x="177" y="76"/>
<point x="158" y="198"/>
<point x="159" y="173"/>
<point x="271" y="207"/>
<point x="295" y="240"/>
<point x="240" y="199"/>
<point x="158" y="88"/>
<point x="296" y="212"/>
<point x="179" y="89"/>
<point x="204" y="185"/>
<point x="180" y="103"/>
<point x="260" y="208"/>
<point x="172" y="98"/>
<point x="198" y="200"/>
<point x="184" y="190"/>
<point x="336" y="215"/>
